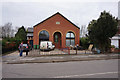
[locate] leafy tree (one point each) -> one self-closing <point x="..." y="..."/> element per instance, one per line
<point x="101" y="30"/>
<point x="21" y="35"/>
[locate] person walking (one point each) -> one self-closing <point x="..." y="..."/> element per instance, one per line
<point x="28" y="48"/>
<point x="21" y="48"/>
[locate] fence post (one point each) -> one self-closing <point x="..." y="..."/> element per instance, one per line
<point x="39" y="49"/>
<point x="68" y="50"/>
<point x="76" y="50"/>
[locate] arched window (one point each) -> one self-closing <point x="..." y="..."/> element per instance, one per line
<point x="70" y="39"/>
<point x="44" y="36"/>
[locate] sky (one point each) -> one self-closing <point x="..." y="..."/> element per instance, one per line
<point x="30" y="12"/>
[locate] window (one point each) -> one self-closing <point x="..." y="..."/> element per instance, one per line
<point x="70" y="39"/>
<point x="57" y="22"/>
<point x="44" y="35"/>
<point x="67" y="42"/>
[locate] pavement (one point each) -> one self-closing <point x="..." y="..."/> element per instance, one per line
<point x="13" y="58"/>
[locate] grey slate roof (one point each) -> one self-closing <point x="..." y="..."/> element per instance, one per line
<point x="30" y="30"/>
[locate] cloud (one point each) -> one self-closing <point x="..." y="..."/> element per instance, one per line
<point x="31" y="13"/>
<point x="60" y="1"/>
<point x="119" y="10"/>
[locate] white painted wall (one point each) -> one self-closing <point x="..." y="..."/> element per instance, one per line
<point x="115" y="42"/>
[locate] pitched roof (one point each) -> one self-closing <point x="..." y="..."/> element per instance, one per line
<point x="54" y="15"/>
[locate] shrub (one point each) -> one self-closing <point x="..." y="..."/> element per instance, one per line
<point x="84" y="42"/>
<point x="112" y="46"/>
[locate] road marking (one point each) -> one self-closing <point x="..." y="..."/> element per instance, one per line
<point x="86" y="74"/>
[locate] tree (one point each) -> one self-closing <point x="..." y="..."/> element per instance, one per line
<point x="7" y="30"/>
<point x="0" y="32"/>
<point x="101" y="30"/>
<point x="21" y="34"/>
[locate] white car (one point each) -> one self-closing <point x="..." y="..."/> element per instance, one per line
<point x="46" y="45"/>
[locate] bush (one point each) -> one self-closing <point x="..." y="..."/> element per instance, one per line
<point x="10" y="44"/>
<point x="84" y="42"/>
<point x="112" y="46"/>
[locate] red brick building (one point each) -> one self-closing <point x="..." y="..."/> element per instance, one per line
<point x="57" y="29"/>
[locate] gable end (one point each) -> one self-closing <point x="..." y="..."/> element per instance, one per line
<point x="54" y="15"/>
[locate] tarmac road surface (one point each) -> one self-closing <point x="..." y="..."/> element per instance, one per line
<point x="78" y="69"/>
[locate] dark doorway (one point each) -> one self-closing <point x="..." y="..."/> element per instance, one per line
<point x="57" y="40"/>
<point x="31" y="43"/>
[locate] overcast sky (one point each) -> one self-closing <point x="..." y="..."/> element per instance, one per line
<point x="28" y="13"/>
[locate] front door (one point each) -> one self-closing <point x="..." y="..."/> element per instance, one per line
<point x="57" y="40"/>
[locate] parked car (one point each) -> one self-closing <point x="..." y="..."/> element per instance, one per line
<point x="46" y="45"/>
<point x="26" y="48"/>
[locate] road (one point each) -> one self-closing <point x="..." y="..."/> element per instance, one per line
<point x="78" y="69"/>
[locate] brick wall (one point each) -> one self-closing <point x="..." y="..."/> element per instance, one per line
<point x="51" y="27"/>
